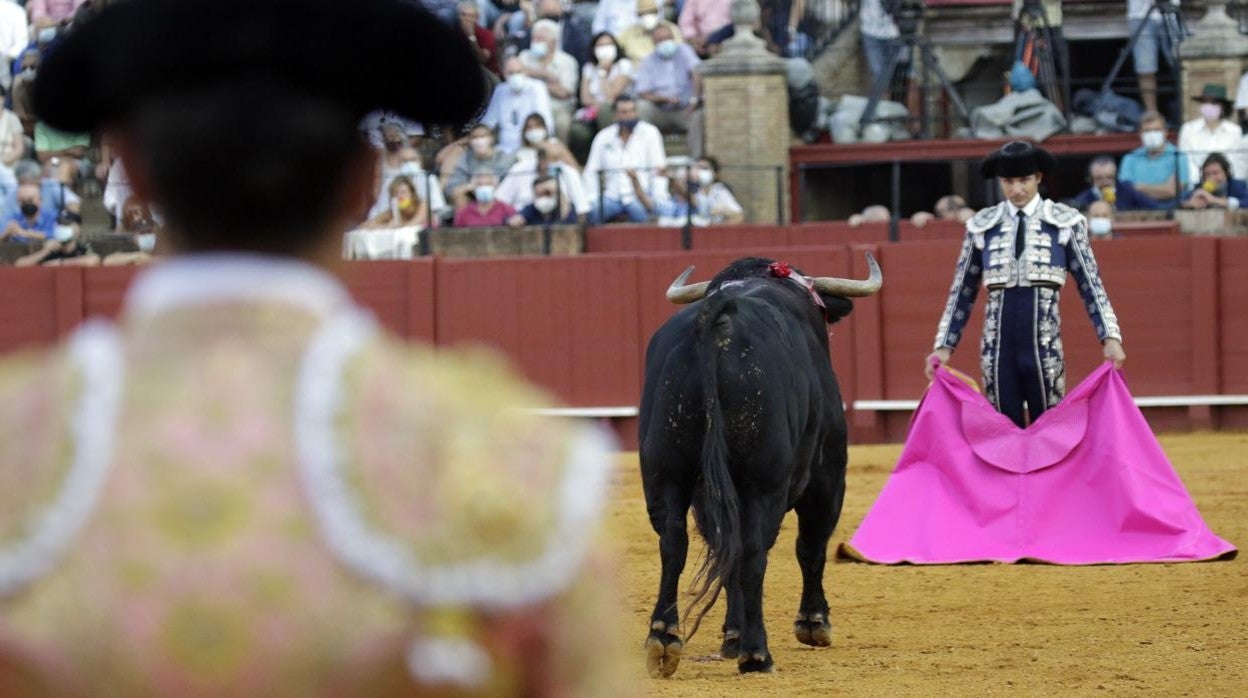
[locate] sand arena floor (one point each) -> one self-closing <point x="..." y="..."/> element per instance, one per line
<point x="1170" y="630"/>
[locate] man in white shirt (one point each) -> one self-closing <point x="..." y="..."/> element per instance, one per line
<point x="543" y="61"/>
<point x="14" y="37"/>
<point x="514" y="99"/>
<point x="1212" y="132"/>
<point x="627" y="155"/>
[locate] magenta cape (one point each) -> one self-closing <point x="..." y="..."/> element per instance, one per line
<point x="1087" y="483"/>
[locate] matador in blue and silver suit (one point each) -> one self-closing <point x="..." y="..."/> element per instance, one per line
<point x="1022" y="255"/>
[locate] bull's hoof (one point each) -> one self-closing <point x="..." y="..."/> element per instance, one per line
<point x="813" y="630"/>
<point x="759" y="662"/>
<point x="731" y="648"/>
<point x="663" y="651"/>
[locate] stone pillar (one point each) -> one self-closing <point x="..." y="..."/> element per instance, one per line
<point x="746" y="118"/>
<point x="1215" y="53"/>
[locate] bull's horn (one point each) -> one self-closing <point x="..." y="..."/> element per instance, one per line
<point x="678" y="292"/>
<point x="851" y="288"/>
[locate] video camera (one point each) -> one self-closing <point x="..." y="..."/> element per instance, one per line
<point x="906" y="15"/>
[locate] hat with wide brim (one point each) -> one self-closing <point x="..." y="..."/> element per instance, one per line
<point x="1216" y="92"/>
<point x="1017" y="159"/>
<point x="363" y="55"/>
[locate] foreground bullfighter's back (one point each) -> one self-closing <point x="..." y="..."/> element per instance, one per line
<point x="741" y="418"/>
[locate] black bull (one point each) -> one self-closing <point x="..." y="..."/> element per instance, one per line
<point x="741" y="417"/>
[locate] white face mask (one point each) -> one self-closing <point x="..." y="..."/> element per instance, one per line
<point x="146" y="241"/>
<point x="535" y="135"/>
<point x="516" y="81"/>
<point x="63" y="233"/>
<point x="666" y="48"/>
<point x="1211" y="112"/>
<point x="1153" y="140"/>
<point x="484" y="193"/>
<point x="480" y="145"/>
<point x="538" y="49"/>
<point x="1100" y="226"/>
<point x="605" y="53"/>
<point x="705" y="177"/>
<point x="649" y="21"/>
<point x="544" y="204"/>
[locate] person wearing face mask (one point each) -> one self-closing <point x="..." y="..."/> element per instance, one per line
<point x="1211" y="132"/>
<point x="64" y="247"/>
<point x="406" y="208"/>
<point x="514" y="99"/>
<point x="713" y="201"/>
<point x="1217" y="187"/>
<point x="428" y="188"/>
<point x="637" y="41"/>
<point x="614" y="16"/>
<point x="670" y="89"/>
<point x="548" y="207"/>
<point x="484" y="210"/>
<point x="622" y="166"/>
<point x="23" y="93"/>
<point x="606" y="75"/>
<point x="1156" y="168"/>
<point x="1107" y="186"/>
<point x="1100" y="216"/>
<point x="544" y="62"/>
<point x="31" y="222"/>
<point x="479" y="153"/>
<point x="1021" y="250"/>
<point x="549" y="159"/>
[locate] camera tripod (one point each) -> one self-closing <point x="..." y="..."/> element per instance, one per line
<point x="1174" y="31"/>
<point x="1040" y="47"/>
<point x="905" y="46"/>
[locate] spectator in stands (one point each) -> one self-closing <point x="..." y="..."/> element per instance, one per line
<point x="32" y="221"/>
<point x="625" y="156"/>
<point x="484" y="210"/>
<point x="614" y="16"/>
<point x="49" y="13"/>
<point x="1153" y="41"/>
<point x="427" y="185"/>
<point x="949" y="207"/>
<point x="481" y="153"/>
<point x="637" y="41"/>
<point x="137" y="221"/>
<point x="1155" y="168"/>
<point x="481" y="38"/>
<point x="64" y="247"/>
<point x="543" y="61"/>
<point x="1217" y="187"/>
<point x="23" y="94"/>
<point x="705" y="22"/>
<point x="1211" y="132"/>
<point x="54" y="194"/>
<point x="879" y="35"/>
<point x="549" y="206"/>
<point x="607" y="75"/>
<point x="1106" y="186"/>
<point x="513" y="100"/>
<point x="548" y="158"/>
<point x="1100" y="215"/>
<point x="574" y="28"/>
<point x="14" y="37"/>
<point x="670" y="89"/>
<point x="871" y="214"/>
<point x="406" y="208"/>
<point x="12" y="135"/>
<point x="136" y="217"/>
<point x="713" y="200"/>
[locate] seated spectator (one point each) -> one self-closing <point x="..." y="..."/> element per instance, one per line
<point x="405" y="209"/>
<point x="871" y="214"/>
<point x="949" y="207"/>
<point x="484" y="210"/>
<point x="606" y="75"/>
<point x="1156" y="168"/>
<point x="546" y="157"/>
<point x="549" y="206"/>
<point x="670" y="89"/>
<point x="32" y="221"/>
<point x="1100" y="215"/>
<point x="515" y="98"/>
<point x="64" y="247"/>
<point x="1103" y="175"/>
<point x="428" y="188"/>
<point x="574" y="28"/>
<point x="377" y="124"/>
<point x="614" y="16"/>
<point x="12" y="135"/>
<point x="713" y="200"/>
<point x="625" y="156"/>
<point x="14" y="37"/>
<point x="136" y="217"/>
<point x="705" y="23"/>
<point x="482" y="39"/>
<point x="481" y="152"/>
<point x="23" y="95"/>
<point x="49" y="13"/>
<point x="1217" y="188"/>
<point x="638" y="40"/>
<point x="543" y="61"/>
<point x="145" y="241"/>
<point x="1211" y="132"/>
<point x="55" y="195"/>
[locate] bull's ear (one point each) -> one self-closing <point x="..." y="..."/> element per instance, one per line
<point x="836" y="307"/>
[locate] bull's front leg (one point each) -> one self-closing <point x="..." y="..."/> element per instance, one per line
<point x="663" y="644"/>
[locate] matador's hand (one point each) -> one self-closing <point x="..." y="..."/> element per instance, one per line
<point x="1114" y="352"/>
<point x="940" y="357"/>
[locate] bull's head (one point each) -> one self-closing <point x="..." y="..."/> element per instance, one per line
<point x="678" y="292"/>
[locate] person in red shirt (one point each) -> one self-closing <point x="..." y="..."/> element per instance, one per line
<point x="481" y="38"/>
<point x="483" y="210"/>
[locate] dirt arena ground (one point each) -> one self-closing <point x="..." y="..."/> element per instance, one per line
<point x="1168" y="630"/>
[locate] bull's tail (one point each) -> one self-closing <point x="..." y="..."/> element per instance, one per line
<point x="716" y="507"/>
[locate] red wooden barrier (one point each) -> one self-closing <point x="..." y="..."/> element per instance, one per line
<point x="631" y="238"/>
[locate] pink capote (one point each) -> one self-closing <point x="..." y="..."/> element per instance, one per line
<point x="1087" y="483"/>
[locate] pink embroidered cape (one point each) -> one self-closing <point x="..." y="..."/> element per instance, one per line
<point x="1087" y="483"/>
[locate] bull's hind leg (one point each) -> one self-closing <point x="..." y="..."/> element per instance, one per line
<point x="731" y="646"/>
<point x="760" y="524"/>
<point x="817" y="513"/>
<point x="663" y="644"/>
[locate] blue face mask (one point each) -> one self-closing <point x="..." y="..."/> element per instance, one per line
<point x="628" y="124"/>
<point x="484" y="193"/>
<point x="666" y="48"/>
